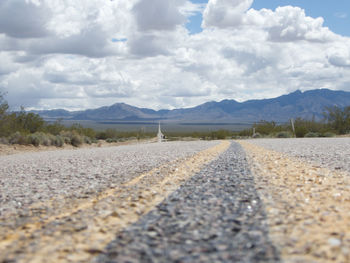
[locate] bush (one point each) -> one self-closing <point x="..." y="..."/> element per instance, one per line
<point x="72" y="137"/>
<point x="329" y="134"/>
<point x="66" y="140"/>
<point x="4" y="140"/>
<point x="284" y="134"/>
<point x="110" y="140"/>
<point x="338" y="118"/>
<point x="58" y="141"/>
<point x="312" y="135"/>
<point x="300" y="131"/>
<point x="18" y="138"/>
<point x="47" y="141"/>
<point x="35" y="139"/>
<point x="87" y="140"/>
<point x="76" y="140"/>
<point x="257" y="135"/>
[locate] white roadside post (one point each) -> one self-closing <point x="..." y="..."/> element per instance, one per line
<point x="292" y="121"/>
<point x="160" y="134"/>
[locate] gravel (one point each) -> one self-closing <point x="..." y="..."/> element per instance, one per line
<point x="216" y="216"/>
<point x="32" y="177"/>
<point x="331" y="153"/>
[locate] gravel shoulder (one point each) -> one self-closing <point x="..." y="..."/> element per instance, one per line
<point x="216" y="216"/>
<point x="331" y="153"/>
<point x="307" y="203"/>
<point x="131" y="179"/>
<point x="28" y="178"/>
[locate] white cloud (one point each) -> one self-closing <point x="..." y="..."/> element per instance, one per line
<point x="341" y="15"/>
<point x="62" y="54"/>
<point x="159" y="14"/>
<point x="21" y="19"/>
<point x="225" y="13"/>
<point x="339" y="55"/>
<point x="291" y="24"/>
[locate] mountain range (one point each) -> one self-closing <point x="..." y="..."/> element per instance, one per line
<point x="308" y="104"/>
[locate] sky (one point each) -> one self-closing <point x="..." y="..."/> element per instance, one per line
<point x="165" y="54"/>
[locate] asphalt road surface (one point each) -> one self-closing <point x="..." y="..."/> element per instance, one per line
<point x="222" y="201"/>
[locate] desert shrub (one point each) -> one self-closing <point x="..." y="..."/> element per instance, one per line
<point x="55" y="128"/>
<point x="101" y="135"/>
<point x="338" y="118"/>
<point x="72" y="137"/>
<point x="329" y="134"/>
<point x="265" y="127"/>
<point x="18" y="138"/>
<point x="66" y="140"/>
<point x="49" y="140"/>
<point x="76" y="140"/>
<point x="245" y="133"/>
<point x="312" y="135"/>
<point x="4" y="140"/>
<point x="35" y="139"/>
<point x="284" y="134"/>
<point x="257" y="135"/>
<point x="110" y="140"/>
<point x="300" y="131"/>
<point x="87" y="140"/>
<point x="58" y="141"/>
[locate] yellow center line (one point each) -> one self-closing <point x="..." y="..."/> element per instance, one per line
<point x="308" y="207"/>
<point x="102" y="217"/>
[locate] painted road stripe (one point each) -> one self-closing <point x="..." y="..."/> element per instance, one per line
<point x="84" y="230"/>
<point x="308" y="207"/>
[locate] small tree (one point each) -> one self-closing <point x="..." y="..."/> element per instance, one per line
<point x="338" y="118"/>
<point x="3" y="115"/>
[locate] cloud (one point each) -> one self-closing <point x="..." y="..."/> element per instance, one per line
<point x="341" y="15"/>
<point x="159" y="14"/>
<point x="71" y="59"/>
<point x="91" y="42"/>
<point x="339" y="55"/>
<point x="23" y="19"/>
<point x="225" y="13"/>
<point x="291" y="24"/>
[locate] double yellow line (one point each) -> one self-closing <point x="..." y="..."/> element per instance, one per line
<point x="308" y="207"/>
<point x="79" y="232"/>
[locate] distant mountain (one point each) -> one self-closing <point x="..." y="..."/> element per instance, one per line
<point x="306" y="104"/>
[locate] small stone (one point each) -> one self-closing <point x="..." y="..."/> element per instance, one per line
<point x="334" y="242"/>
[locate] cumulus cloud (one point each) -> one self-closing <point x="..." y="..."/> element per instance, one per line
<point x="291" y="24"/>
<point x="23" y="19"/>
<point x="78" y="54"/>
<point x="91" y="42"/>
<point x="225" y="13"/>
<point x="159" y="14"/>
<point x="339" y="55"/>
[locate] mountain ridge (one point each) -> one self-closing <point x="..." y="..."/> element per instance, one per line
<point x="307" y="104"/>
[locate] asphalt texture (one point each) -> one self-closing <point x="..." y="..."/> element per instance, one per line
<point x="216" y="216"/>
<point x="331" y="153"/>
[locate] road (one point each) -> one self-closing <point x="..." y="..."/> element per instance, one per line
<point x="245" y="201"/>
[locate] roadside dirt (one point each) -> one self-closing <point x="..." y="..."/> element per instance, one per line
<point x="81" y="229"/>
<point x="308" y="207"/>
<point x="15" y="149"/>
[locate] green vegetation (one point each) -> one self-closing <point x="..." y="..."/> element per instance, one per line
<point x="336" y="122"/>
<point x="30" y="129"/>
<point x="338" y="119"/>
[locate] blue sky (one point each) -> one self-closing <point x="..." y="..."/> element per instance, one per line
<point x="336" y="13"/>
<point x="81" y="54"/>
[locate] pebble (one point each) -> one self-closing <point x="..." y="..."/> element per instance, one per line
<point x="216" y="216"/>
<point x="334" y="242"/>
<point x="28" y="178"/>
<point x="322" y="152"/>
